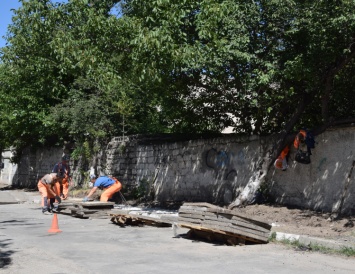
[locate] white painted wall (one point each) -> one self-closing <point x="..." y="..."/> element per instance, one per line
<point x="8" y="173"/>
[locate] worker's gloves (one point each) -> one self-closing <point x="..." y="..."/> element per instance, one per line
<point x="58" y="199"/>
<point x="85" y="199"/>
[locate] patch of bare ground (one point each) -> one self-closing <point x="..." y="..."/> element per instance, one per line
<point x="301" y="221"/>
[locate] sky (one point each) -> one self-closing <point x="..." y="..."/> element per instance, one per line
<point x="5" y="16"/>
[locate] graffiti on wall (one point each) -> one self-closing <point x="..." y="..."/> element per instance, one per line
<point x="224" y="161"/>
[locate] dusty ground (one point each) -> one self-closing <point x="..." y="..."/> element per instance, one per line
<point x="302" y="222"/>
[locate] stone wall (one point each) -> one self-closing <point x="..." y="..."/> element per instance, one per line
<point x="34" y="164"/>
<point x="215" y="169"/>
<point x="328" y="183"/>
<point x="206" y="169"/>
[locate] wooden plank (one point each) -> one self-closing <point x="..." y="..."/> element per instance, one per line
<point x="122" y="220"/>
<point x="247" y="219"/>
<point x="234" y="229"/>
<point x="217" y="227"/>
<point x="144" y="219"/>
<point x="65" y="205"/>
<point x="224" y="225"/>
<point x="198" y="227"/>
<point x="213" y="237"/>
<point x="215" y="209"/>
<point x="200" y="205"/>
<point x="99" y="204"/>
<point x="222" y="218"/>
<point x="169" y="218"/>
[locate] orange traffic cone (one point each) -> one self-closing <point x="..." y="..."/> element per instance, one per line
<point x="54" y="228"/>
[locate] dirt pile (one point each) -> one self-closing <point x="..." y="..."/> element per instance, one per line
<point x="302" y="222"/>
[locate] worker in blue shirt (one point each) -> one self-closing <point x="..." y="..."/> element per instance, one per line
<point x="110" y="185"/>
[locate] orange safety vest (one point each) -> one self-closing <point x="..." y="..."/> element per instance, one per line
<point x="296" y="142"/>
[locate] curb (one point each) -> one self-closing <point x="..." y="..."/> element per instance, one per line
<point x="307" y="241"/>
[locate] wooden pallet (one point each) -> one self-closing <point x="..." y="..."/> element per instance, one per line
<point x="211" y="236"/>
<point x="204" y="218"/>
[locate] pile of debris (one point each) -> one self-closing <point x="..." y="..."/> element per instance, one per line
<point x="86" y="209"/>
<point x="139" y="217"/>
<point x="216" y="223"/>
<point x="203" y="220"/>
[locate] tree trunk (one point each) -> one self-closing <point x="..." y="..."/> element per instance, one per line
<point x="270" y="153"/>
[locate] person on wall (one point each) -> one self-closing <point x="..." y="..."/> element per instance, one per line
<point x="64" y="169"/>
<point x="281" y="161"/>
<point x="110" y="185"/>
<point x="48" y="189"/>
<point x="304" y="143"/>
<point x="306" y="138"/>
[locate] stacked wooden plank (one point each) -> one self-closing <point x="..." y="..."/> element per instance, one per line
<point x="127" y="217"/>
<point x="216" y="220"/>
<point x="86" y="209"/>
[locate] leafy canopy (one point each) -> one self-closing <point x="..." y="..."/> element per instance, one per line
<point x="87" y="70"/>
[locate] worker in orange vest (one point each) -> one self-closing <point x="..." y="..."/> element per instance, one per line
<point x="300" y="138"/>
<point x="281" y="161"/>
<point x="48" y="189"/>
<point x="110" y="185"/>
<point x="64" y="169"/>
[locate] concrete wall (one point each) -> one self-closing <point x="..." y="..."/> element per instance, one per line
<point x="209" y="170"/>
<point x="7" y="174"/>
<point x="324" y="184"/>
<point x="32" y="166"/>
<point x="215" y="169"/>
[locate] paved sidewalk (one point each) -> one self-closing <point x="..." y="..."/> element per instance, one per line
<point x="21" y="196"/>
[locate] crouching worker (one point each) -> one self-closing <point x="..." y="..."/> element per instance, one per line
<point x="47" y="187"/>
<point x="108" y="184"/>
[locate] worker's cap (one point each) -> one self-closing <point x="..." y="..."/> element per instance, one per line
<point x="66" y="158"/>
<point x="92" y="176"/>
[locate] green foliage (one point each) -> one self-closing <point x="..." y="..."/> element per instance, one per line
<point x="74" y="71"/>
<point x="259" y="61"/>
<point x="82" y="150"/>
<point x="141" y="190"/>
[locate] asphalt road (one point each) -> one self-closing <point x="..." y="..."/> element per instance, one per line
<point x="99" y="246"/>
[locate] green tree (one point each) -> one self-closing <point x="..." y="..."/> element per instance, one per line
<point x="75" y="70"/>
<point x="62" y="59"/>
<point x="276" y="66"/>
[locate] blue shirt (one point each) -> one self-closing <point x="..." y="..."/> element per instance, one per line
<point x="103" y="182"/>
<point x="61" y="168"/>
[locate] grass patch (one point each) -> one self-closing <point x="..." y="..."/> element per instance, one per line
<point x="344" y="251"/>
